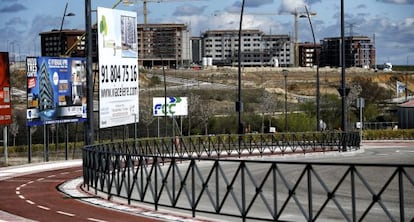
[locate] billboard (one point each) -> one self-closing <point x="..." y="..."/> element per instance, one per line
<point x="118" y="67"/>
<point x="5" y="103"/>
<point x="56" y="90"/>
<point x="176" y="106"/>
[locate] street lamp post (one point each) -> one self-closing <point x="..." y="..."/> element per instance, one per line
<point x="296" y="38"/>
<point x="89" y="75"/>
<point x="61" y="48"/>
<point x="239" y="103"/>
<point x="13" y="54"/>
<point x="298" y="15"/>
<point x="315" y="56"/>
<point x="285" y="74"/>
<point x="343" y="80"/>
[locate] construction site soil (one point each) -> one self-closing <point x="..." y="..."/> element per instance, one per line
<point x="301" y="81"/>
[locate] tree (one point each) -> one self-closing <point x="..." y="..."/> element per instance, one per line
<point x="194" y="103"/>
<point x="146" y="116"/>
<point x="300" y="122"/>
<point x="331" y="111"/>
<point x="206" y="111"/>
<point x="373" y="94"/>
<point x="371" y="91"/>
<point x="267" y="105"/>
<point x="371" y="112"/>
<point x="14" y="130"/>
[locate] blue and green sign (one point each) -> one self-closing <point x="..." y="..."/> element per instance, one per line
<point x="175" y="106"/>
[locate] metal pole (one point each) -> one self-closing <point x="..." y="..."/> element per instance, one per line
<point x="343" y="85"/>
<point x="61" y="46"/>
<point x="57" y="137"/>
<point x="165" y="96"/>
<point x="135" y="132"/>
<point x="296" y="38"/>
<point x="285" y="74"/>
<point x="239" y="103"/>
<point x="61" y="51"/>
<point x="406" y="87"/>
<point x="286" y="128"/>
<point x="89" y="124"/>
<point x="360" y="118"/>
<point x="45" y="143"/>
<point x="29" y="146"/>
<point x="66" y="141"/>
<point x="315" y="55"/>
<point x="6" y="155"/>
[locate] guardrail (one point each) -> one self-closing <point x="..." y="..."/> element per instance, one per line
<point x="187" y="174"/>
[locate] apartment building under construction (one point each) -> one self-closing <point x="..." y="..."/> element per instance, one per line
<point x="359" y="52"/>
<point x="164" y="45"/>
<point x="170" y="45"/>
<point x="257" y="49"/>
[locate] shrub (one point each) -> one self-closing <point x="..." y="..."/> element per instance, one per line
<point x="388" y="134"/>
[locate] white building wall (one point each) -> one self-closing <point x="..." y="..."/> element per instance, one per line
<point x="256" y="50"/>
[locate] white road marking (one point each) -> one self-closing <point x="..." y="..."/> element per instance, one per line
<point x="43" y="207"/>
<point x="65" y="213"/>
<point x="51" y="176"/>
<point x="40" y="179"/>
<point x="96" y="220"/>
<point x="30" y="202"/>
<point x="17" y="192"/>
<point x="22" y="197"/>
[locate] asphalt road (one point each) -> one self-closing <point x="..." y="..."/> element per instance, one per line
<point x="35" y="197"/>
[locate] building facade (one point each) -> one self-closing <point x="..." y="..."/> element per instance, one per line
<point x="359" y="52"/>
<point x="167" y="44"/>
<point x="196" y="50"/>
<point x="257" y="49"/>
<point x="170" y="45"/>
<point x="164" y="45"/>
<point x="309" y="54"/>
<point x="57" y="43"/>
<point x="406" y="115"/>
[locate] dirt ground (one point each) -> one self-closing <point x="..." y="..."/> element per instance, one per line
<point x="301" y="81"/>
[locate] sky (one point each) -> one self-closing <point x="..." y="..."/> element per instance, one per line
<point x="389" y="22"/>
